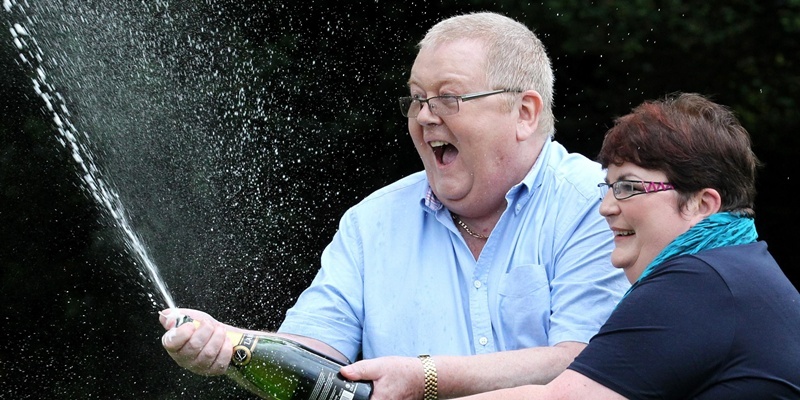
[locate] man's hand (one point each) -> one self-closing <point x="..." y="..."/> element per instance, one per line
<point x="392" y="377"/>
<point x="203" y="349"/>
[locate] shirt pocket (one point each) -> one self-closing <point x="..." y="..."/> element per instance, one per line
<point x="524" y="302"/>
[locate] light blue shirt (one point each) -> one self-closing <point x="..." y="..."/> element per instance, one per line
<point x="399" y="279"/>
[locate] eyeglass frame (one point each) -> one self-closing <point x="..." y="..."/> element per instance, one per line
<point x="647" y="187"/>
<point x="463" y="98"/>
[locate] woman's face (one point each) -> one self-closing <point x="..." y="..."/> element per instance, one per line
<point x="643" y="224"/>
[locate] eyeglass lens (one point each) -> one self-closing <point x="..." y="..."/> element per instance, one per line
<point x="440" y="105"/>
<point x="624" y="189"/>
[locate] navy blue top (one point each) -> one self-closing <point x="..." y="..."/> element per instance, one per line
<point x="721" y="324"/>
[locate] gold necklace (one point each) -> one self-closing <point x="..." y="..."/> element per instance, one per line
<point x="461" y="223"/>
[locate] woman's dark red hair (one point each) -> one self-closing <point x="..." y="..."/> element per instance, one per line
<point x="697" y="143"/>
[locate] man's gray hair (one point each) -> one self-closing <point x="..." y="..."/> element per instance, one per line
<point x="516" y="58"/>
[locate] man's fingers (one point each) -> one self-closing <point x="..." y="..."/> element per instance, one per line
<point x="223" y="358"/>
<point x="175" y="339"/>
<point x="355" y="371"/>
<point x="168" y="318"/>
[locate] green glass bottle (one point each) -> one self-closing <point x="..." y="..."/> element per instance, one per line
<point x="281" y="369"/>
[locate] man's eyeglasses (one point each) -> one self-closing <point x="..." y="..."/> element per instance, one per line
<point x="443" y="105"/>
<point x="624" y="189"/>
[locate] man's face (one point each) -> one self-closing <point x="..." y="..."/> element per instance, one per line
<point x="469" y="156"/>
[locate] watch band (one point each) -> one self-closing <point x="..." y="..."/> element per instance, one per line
<point x="431" y="391"/>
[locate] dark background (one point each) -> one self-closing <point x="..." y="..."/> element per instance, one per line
<point x="79" y="320"/>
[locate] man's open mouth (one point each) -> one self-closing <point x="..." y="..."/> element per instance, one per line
<point x="444" y="152"/>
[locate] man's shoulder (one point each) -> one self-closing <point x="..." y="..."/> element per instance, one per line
<point x="399" y="202"/>
<point x="574" y="173"/>
<point x="414" y="183"/>
<point x="407" y="190"/>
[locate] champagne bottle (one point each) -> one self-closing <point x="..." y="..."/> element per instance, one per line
<point x="281" y="369"/>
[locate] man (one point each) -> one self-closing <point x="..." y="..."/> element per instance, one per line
<point x="495" y="260"/>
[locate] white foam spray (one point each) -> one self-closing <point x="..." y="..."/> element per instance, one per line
<point x="75" y="142"/>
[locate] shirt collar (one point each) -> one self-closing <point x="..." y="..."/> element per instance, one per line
<point x="533" y="180"/>
<point x="522" y="191"/>
<point x="430" y="201"/>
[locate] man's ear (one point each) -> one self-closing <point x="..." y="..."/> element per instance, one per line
<point x="530" y="110"/>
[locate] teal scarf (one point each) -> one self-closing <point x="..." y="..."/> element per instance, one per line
<point x="718" y="230"/>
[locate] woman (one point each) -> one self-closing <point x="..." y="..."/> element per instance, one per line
<point x="709" y="314"/>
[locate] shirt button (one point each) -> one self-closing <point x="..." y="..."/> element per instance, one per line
<point x="483" y="341"/>
<point x="477" y="284"/>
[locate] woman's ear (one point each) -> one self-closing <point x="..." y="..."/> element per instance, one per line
<point x="707" y="201"/>
<point x="530" y="110"/>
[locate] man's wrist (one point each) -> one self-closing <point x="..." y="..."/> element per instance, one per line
<point x="431" y="389"/>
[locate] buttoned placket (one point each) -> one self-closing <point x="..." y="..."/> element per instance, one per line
<point x="482" y="330"/>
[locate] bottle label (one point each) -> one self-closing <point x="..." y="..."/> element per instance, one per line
<point x="331" y="387"/>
